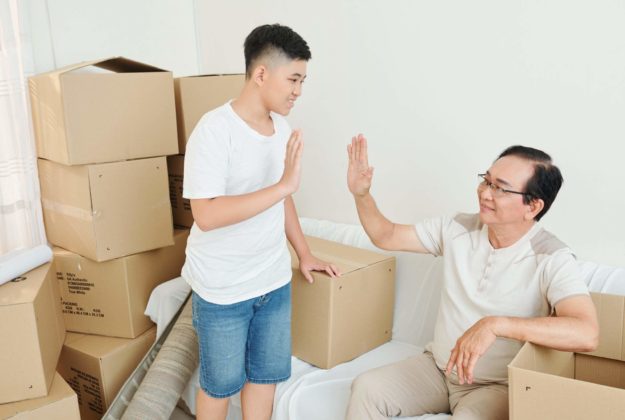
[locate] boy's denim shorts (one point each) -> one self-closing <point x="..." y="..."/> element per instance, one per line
<point x="244" y="341"/>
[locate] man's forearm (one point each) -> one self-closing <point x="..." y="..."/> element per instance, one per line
<point x="558" y="332"/>
<point x="378" y="227"/>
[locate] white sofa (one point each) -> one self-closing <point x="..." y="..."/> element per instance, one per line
<point x="312" y="393"/>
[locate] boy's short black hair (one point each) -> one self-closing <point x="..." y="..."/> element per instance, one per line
<point x="546" y="181"/>
<point x="274" y="38"/>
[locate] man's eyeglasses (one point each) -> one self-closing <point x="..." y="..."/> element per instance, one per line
<point x="496" y="190"/>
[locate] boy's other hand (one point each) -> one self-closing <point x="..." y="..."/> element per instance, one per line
<point x="359" y="173"/>
<point x="309" y="263"/>
<point x="292" y="162"/>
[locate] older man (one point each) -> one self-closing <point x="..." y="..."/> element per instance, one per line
<point x="506" y="281"/>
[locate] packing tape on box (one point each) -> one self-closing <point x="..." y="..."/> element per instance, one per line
<point x="21" y="261"/>
<point x="64" y="209"/>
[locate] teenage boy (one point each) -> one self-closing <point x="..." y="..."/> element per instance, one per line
<point x="241" y="167"/>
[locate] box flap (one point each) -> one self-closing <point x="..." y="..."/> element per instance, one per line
<point x="209" y="75"/>
<point x="125" y="65"/>
<point x="610" y="311"/>
<point x="115" y="64"/>
<point x="351" y="259"/>
<point x="23" y="289"/>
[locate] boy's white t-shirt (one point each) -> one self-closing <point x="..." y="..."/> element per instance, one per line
<point x="225" y="156"/>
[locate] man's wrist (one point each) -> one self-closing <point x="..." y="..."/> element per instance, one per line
<point x="498" y="325"/>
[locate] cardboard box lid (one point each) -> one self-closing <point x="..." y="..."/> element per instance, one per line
<point x="351" y="259"/>
<point x="24" y="290"/>
<point x="114" y="64"/>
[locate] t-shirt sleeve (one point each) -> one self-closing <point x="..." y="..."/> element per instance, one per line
<point x="431" y="232"/>
<point x="562" y="277"/>
<point x="206" y="163"/>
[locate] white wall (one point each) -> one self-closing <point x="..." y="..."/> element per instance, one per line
<point x="157" y="32"/>
<point x="439" y="87"/>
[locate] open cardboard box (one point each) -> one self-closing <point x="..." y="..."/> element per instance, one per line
<point x="121" y="109"/>
<point x="550" y="384"/>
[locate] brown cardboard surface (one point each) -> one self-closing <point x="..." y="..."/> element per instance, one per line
<point x="196" y="95"/>
<point x="611" y="314"/>
<point x="180" y="207"/>
<point x="335" y="320"/>
<point x="546" y="383"/>
<point x="60" y="404"/>
<point x="106" y="211"/>
<point x="84" y="117"/>
<point x="32" y="328"/>
<point x="96" y="367"/>
<point x="109" y="298"/>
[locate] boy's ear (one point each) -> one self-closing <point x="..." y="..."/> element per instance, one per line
<point x="260" y="75"/>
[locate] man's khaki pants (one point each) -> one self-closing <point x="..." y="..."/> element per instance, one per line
<point x="416" y="386"/>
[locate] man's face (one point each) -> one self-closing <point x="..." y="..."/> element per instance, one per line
<point x="283" y="85"/>
<point x="510" y="173"/>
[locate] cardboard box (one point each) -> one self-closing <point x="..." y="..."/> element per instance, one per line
<point x="60" y="404"/>
<point x="109" y="298"/>
<point x="121" y="109"/>
<point x="96" y="367"/>
<point x="196" y="95"/>
<point x="180" y="207"/>
<point x="337" y="319"/>
<point x="32" y="331"/>
<point x="551" y="384"/>
<point x="107" y="210"/>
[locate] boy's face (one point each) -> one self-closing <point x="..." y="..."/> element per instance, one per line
<point x="282" y="85"/>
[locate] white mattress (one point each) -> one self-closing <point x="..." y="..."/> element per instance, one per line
<point x="313" y="393"/>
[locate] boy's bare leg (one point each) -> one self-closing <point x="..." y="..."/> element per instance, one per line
<point x="209" y="408"/>
<point x="257" y="401"/>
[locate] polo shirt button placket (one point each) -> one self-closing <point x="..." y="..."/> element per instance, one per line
<point x="484" y="281"/>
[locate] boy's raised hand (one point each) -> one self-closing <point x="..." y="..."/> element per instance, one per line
<point x="359" y="173"/>
<point x="292" y="162"/>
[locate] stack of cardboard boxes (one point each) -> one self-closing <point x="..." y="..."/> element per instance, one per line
<point x="103" y="130"/>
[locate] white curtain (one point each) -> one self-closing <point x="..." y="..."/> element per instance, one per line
<point x="21" y="222"/>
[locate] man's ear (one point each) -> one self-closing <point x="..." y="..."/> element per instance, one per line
<point x="536" y="205"/>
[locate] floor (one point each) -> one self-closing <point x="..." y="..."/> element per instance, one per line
<point x="178" y="414"/>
